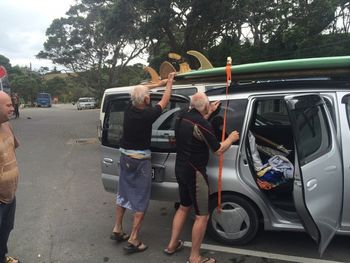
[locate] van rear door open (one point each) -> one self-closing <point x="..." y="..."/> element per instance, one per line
<point x="318" y="185"/>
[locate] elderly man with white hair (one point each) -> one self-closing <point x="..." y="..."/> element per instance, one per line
<point x="135" y="179"/>
<point x="194" y="137"/>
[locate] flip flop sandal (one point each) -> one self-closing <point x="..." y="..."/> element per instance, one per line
<point x="131" y="248"/>
<point x="119" y="237"/>
<point x="11" y="260"/>
<point x="179" y="247"/>
<point x="206" y="260"/>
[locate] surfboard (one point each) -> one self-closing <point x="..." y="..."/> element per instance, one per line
<point x="322" y="66"/>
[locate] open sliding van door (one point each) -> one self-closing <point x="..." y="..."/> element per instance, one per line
<point x="318" y="185"/>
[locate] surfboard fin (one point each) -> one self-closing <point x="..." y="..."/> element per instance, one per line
<point x="183" y="65"/>
<point x="166" y="68"/>
<point x="154" y="75"/>
<point x="175" y="56"/>
<point x="204" y="62"/>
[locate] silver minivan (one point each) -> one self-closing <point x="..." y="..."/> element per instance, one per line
<point x="291" y="112"/>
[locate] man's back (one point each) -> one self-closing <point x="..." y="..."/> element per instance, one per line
<point x="194" y="136"/>
<point x="137" y="127"/>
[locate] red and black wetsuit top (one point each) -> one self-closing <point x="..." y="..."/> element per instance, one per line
<point x="194" y="136"/>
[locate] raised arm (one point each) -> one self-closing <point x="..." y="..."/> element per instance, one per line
<point x="212" y="108"/>
<point x="167" y="93"/>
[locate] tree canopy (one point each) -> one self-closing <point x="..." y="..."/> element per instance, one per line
<point x="98" y="38"/>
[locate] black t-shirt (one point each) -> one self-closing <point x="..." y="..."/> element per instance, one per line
<point x="194" y="136"/>
<point x="137" y="127"/>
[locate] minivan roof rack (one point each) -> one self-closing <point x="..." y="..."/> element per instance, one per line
<point x="282" y="84"/>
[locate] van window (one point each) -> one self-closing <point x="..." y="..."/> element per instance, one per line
<point x="271" y="112"/>
<point x="234" y="117"/>
<point x="183" y="91"/>
<point x="313" y="137"/>
<point x="169" y="123"/>
<point x="347" y="107"/>
<point x="330" y="108"/>
<point x="86" y="100"/>
<point x="44" y="96"/>
<point x="107" y="100"/>
<point x="271" y="126"/>
<point x="113" y="125"/>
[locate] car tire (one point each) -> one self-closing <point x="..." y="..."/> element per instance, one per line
<point x="241" y="220"/>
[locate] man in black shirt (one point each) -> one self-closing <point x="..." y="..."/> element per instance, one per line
<point x="194" y="137"/>
<point x="134" y="186"/>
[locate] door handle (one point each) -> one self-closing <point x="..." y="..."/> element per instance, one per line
<point x="107" y="161"/>
<point x="331" y="169"/>
<point x="311" y="185"/>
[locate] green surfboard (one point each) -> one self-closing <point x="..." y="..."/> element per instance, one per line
<point x="308" y="67"/>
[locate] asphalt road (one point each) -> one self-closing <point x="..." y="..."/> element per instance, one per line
<point x="64" y="215"/>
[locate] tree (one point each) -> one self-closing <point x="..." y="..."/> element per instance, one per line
<point x="26" y="83"/>
<point x="82" y="43"/>
<point x="183" y="25"/>
<point x="97" y="39"/>
<point x="57" y="87"/>
<point x="4" y="61"/>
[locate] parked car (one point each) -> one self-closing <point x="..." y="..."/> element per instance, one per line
<point x="86" y="103"/>
<point x="43" y="99"/>
<point x="297" y="111"/>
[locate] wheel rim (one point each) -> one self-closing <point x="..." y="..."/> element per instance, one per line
<point x="232" y="222"/>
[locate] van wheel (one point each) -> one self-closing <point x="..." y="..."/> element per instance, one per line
<point x="236" y="224"/>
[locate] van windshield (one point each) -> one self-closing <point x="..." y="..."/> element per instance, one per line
<point x="43" y="96"/>
<point x="86" y="100"/>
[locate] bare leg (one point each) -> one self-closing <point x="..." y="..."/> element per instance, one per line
<point x="119" y="214"/>
<point x="198" y="232"/>
<point x="138" y="217"/>
<point x="178" y="223"/>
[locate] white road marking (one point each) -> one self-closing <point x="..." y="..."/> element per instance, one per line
<point x="262" y="254"/>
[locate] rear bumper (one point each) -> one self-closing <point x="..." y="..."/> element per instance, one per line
<point x="43" y="104"/>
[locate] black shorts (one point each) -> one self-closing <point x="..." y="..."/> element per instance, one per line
<point x="193" y="187"/>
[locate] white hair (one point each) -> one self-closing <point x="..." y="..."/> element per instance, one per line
<point x="138" y="94"/>
<point x="199" y="101"/>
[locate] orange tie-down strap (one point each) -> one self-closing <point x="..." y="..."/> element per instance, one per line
<point x="221" y="157"/>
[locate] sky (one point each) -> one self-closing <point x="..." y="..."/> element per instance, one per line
<point x="23" y="24"/>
